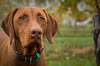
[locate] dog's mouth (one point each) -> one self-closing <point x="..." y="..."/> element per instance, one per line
<point x="32" y="48"/>
<point x="32" y="45"/>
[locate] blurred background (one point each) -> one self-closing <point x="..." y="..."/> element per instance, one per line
<point x="73" y="44"/>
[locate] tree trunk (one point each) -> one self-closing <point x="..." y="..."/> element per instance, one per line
<point x="96" y="36"/>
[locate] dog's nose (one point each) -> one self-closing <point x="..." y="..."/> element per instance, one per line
<point x="36" y="31"/>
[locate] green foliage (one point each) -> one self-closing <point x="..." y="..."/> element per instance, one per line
<point x="81" y="15"/>
<point x="2" y="1"/>
<point x="72" y="4"/>
<point x="69" y="3"/>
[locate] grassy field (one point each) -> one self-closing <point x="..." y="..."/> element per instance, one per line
<point x="70" y="50"/>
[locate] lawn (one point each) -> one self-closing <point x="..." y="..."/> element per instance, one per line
<point x="60" y="52"/>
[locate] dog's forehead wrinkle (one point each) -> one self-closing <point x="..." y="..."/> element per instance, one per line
<point x="31" y="11"/>
<point x="38" y="10"/>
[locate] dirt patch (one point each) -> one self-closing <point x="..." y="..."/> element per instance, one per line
<point x="85" y="50"/>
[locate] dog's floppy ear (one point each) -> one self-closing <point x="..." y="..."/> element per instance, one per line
<point x="52" y="26"/>
<point x="7" y="24"/>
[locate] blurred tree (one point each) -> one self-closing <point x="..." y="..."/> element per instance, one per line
<point x="90" y="8"/>
<point x="58" y="8"/>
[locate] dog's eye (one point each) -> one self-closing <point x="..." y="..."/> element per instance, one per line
<point x="42" y="18"/>
<point x="22" y="17"/>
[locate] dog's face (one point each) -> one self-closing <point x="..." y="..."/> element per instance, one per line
<point x="29" y="25"/>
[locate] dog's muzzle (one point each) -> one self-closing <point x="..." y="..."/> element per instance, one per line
<point x="28" y="59"/>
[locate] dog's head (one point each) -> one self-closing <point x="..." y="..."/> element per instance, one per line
<point x="27" y="27"/>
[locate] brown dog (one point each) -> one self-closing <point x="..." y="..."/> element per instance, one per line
<point x="21" y="41"/>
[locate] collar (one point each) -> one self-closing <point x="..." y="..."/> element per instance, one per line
<point x="30" y="58"/>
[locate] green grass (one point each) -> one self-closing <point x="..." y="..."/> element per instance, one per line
<point x="75" y="31"/>
<point x="60" y="54"/>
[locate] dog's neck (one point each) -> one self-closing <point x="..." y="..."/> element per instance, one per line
<point x="24" y="58"/>
<point x="12" y="59"/>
